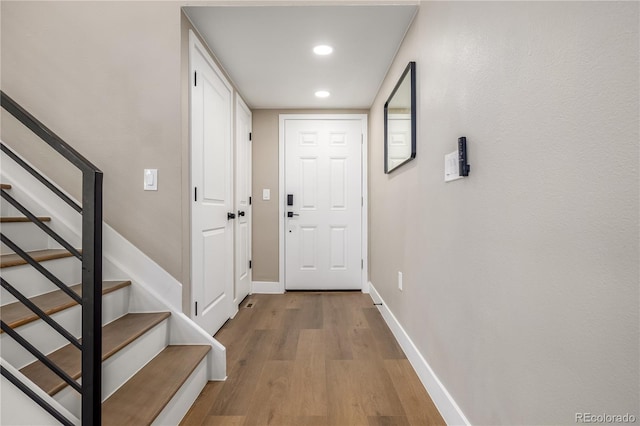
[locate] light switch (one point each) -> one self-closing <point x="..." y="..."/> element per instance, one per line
<point x="266" y="194"/>
<point x="150" y="179"/>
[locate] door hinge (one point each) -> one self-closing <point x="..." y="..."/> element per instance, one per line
<point x="195" y="193"/>
<point x="249" y="200"/>
<point x="250" y="136"/>
<point x="195" y="78"/>
<point x="362" y="201"/>
<point x="249" y="264"/>
<point x="196" y="308"/>
<point x="361" y="263"/>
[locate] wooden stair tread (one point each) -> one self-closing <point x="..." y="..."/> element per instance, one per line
<point x="144" y="396"/>
<point x="7" y="260"/>
<point x="5" y="186"/>
<point x="16" y="314"/>
<point x="11" y="219"/>
<point x="115" y="336"/>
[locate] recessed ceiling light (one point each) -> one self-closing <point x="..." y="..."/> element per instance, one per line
<point x="323" y="49"/>
<point x="322" y="94"/>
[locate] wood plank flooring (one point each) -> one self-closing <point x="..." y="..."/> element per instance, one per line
<point x="312" y="358"/>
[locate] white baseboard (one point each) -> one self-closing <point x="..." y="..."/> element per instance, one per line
<point x="266" y="287"/>
<point x="451" y="413"/>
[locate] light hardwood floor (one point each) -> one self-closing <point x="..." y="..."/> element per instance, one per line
<point x="312" y="358"/>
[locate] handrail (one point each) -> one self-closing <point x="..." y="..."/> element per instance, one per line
<point x="91" y="211"/>
<point x="47" y="135"/>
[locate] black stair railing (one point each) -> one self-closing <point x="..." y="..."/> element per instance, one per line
<point x="91" y="257"/>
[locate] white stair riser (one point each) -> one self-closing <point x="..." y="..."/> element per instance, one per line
<point x="7" y="209"/>
<point x="122" y="366"/>
<point x="32" y="283"/>
<point x="47" y="340"/>
<point x="26" y="235"/>
<point x="182" y="401"/>
<point x="23" y="411"/>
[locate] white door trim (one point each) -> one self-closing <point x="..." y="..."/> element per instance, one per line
<point x="281" y="198"/>
<point x="241" y="104"/>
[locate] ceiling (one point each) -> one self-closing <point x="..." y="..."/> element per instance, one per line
<point x="268" y="50"/>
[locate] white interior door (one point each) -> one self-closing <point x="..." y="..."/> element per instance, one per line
<point x="211" y="178"/>
<point x="323" y="224"/>
<point x="243" y="202"/>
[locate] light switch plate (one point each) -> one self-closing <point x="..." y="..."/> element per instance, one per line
<point x="150" y="179"/>
<point x="451" y="167"/>
<point x="266" y="194"/>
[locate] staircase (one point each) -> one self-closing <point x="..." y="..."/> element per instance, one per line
<point x="155" y="361"/>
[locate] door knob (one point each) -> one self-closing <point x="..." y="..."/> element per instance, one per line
<point x="240" y="213"/>
<point x="231" y="216"/>
<point x="292" y="214"/>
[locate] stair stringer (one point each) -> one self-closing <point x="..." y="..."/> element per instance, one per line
<point x="182" y="330"/>
<point x="153" y="289"/>
<point x="24" y="410"/>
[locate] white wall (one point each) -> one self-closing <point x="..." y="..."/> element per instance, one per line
<point x="520" y="281"/>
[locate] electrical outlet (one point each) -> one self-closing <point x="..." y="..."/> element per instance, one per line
<point x="400" y="281"/>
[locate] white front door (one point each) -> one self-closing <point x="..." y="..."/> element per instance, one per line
<point x="211" y="180"/>
<point x="323" y="204"/>
<point x="243" y="203"/>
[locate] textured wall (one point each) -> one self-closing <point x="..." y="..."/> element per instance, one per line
<point x="112" y="79"/>
<point x="521" y="281"/>
<point x="105" y="76"/>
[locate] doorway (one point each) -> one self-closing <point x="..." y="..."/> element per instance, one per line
<point x="323" y="202"/>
